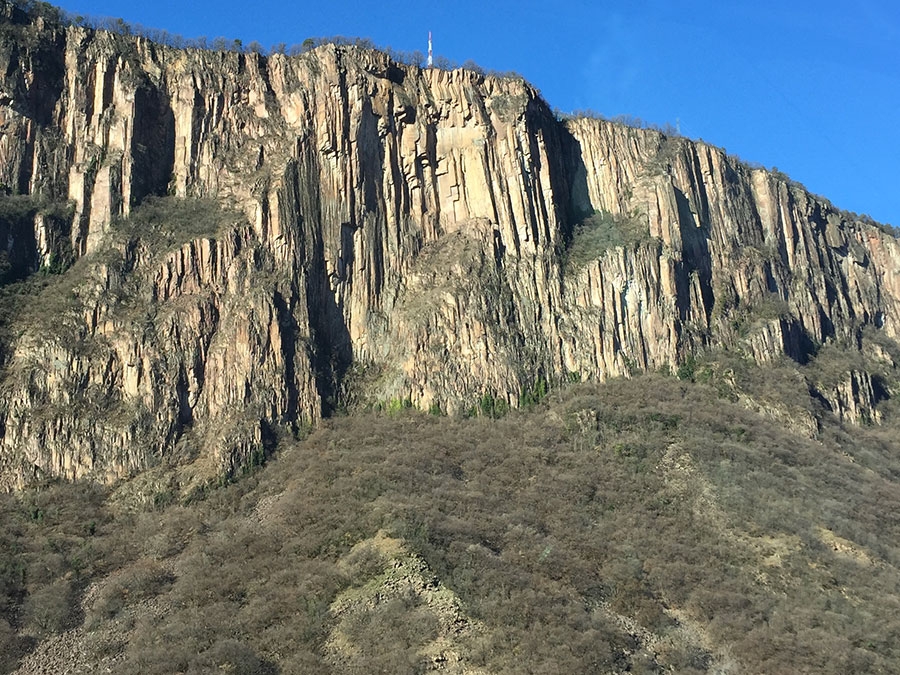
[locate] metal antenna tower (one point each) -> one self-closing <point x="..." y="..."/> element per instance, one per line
<point x="430" y="56"/>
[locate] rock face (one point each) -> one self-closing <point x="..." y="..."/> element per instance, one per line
<point x="380" y="232"/>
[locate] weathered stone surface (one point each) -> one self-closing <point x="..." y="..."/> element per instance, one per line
<point x="854" y="398"/>
<point x="405" y="237"/>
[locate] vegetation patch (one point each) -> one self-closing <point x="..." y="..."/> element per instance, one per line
<point x="163" y="223"/>
<point x="601" y="232"/>
<point x="508" y="107"/>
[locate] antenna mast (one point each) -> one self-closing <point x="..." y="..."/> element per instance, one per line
<point x="430" y="57"/>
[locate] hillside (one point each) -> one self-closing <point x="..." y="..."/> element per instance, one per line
<point x="646" y="525"/>
<point x="329" y="363"/>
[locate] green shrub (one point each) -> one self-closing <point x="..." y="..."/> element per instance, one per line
<point x="396" y="405"/>
<point x="533" y="394"/>
<point x="490" y="406"/>
<point x="687" y="368"/>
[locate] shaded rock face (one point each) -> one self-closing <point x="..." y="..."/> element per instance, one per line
<point x="387" y="232"/>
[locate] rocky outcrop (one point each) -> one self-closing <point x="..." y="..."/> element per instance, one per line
<point x="854" y="398"/>
<point x="385" y="230"/>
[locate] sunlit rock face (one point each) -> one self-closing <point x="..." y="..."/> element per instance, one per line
<point x="382" y="232"/>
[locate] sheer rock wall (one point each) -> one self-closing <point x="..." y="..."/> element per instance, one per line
<point x="402" y="233"/>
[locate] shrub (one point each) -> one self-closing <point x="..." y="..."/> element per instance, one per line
<point x="687" y="368"/>
<point x="52" y="608"/>
<point x="491" y="406"/>
<point x="395" y="406"/>
<point x="533" y="394"/>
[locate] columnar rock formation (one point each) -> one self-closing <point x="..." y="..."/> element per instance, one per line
<point x="380" y="231"/>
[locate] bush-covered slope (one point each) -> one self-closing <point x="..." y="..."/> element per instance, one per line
<point x="645" y="525"/>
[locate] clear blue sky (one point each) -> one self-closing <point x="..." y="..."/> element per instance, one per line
<point x="812" y="88"/>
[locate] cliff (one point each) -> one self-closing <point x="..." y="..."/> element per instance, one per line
<point x="249" y="241"/>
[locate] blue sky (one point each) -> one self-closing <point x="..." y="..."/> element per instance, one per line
<point x="812" y="88"/>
